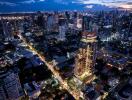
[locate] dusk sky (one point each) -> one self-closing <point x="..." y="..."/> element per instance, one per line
<point x="32" y="5"/>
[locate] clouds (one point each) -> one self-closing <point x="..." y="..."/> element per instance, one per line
<point x="28" y="1"/>
<point x="7" y="3"/>
<point x="31" y="1"/>
<point x="103" y="2"/>
<point x="118" y="3"/>
<point x="89" y="6"/>
<point x="63" y="4"/>
<point x="18" y="2"/>
<point x="110" y="3"/>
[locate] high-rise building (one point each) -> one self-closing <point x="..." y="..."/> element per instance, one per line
<point x="40" y="20"/>
<point x="79" y="23"/>
<point x="1" y="31"/>
<point x="130" y="26"/>
<point x="86" y="23"/>
<point x="7" y="29"/>
<point x="75" y="14"/>
<point x="62" y="29"/>
<point x="67" y="15"/>
<point x="10" y="87"/>
<point x="86" y="57"/>
<point x="52" y="23"/>
<point x="62" y="32"/>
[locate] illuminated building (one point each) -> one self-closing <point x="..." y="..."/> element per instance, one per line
<point x="79" y="23"/>
<point x="85" y="59"/>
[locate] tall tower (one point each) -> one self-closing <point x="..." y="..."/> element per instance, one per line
<point x="86" y="56"/>
<point x="62" y="28"/>
<point x="40" y="19"/>
<point x="86" y="20"/>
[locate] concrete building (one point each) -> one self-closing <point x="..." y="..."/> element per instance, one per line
<point x="86" y="23"/>
<point x="62" y="32"/>
<point x="62" y="29"/>
<point x="10" y="87"/>
<point x="52" y="23"/>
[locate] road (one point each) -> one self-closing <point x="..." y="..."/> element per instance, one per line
<point x="76" y="93"/>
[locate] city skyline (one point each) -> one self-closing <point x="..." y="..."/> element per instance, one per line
<point x="50" y="5"/>
<point x="65" y="55"/>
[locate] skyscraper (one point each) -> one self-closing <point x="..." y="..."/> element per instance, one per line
<point x="40" y="20"/>
<point x="52" y="23"/>
<point x="67" y="15"/>
<point x="86" y="22"/>
<point x="62" y="29"/>
<point x="85" y="59"/>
